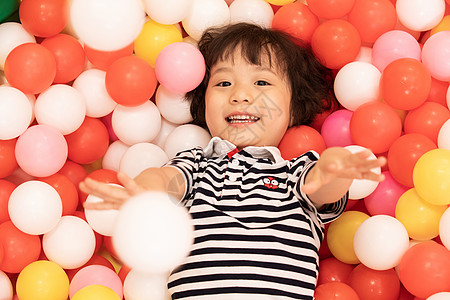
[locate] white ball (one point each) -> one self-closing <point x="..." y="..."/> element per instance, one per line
<point x="357" y="83"/>
<point x="167" y="11"/>
<point x="166" y="128"/>
<point x="204" y="14"/>
<point x="361" y="188"/>
<point x="420" y="15"/>
<point x="142" y="156"/>
<point x="444" y="136"/>
<point x="91" y="84"/>
<point x="137" y="124"/>
<point x="107" y="25"/>
<point x="62" y="107"/>
<point x="35" y="207"/>
<point x="444" y="228"/>
<point x="112" y="157"/>
<point x="15" y="112"/>
<point x="101" y="221"/>
<point x="258" y="12"/>
<point x="152" y="233"/>
<point x="440" y="296"/>
<point x="364" y="55"/>
<point x="173" y="106"/>
<point x="12" y="34"/>
<point x="447" y="97"/>
<point x="70" y="244"/>
<point x="6" y="289"/>
<point x="186" y="137"/>
<point x="380" y="242"/>
<point x="143" y="286"/>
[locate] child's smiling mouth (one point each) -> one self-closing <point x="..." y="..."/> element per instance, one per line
<point x="241" y="118"/>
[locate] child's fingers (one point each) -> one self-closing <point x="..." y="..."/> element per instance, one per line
<point x="129" y="184"/>
<point x="103" y="190"/>
<point x="101" y="205"/>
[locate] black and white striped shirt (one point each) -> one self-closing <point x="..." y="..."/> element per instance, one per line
<point x="256" y="234"/>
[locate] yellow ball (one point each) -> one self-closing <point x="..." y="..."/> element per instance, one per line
<point x="153" y="38"/>
<point x="431" y="176"/>
<point x="280" y="2"/>
<point x="420" y="218"/>
<point x="42" y="280"/>
<point x="341" y="233"/>
<point x="95" y="292"/>
<point x="442" y="26"/>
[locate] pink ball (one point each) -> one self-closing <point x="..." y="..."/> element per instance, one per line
<point x="41" y="150"/>
<point x="96" y="274"/>
<point x="336" y="129"/>
<point x="393" y="45"/>
<point x="436" y="55"/>
<point x="383" y="200"/>
<point x="180" y="67"/>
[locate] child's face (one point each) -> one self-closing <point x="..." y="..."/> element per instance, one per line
<point x="246" y="104"/>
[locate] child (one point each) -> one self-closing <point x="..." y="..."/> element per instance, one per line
<point x="259" y="219"/>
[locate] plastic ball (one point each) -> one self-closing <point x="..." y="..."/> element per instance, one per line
<point x="180" y="67"/>
<point x="251" y="11"/>
<point x="62" y="107"/>
<point x="145" y="286"/>
<point x="444" y="228"/>
<point x="12" y="34"/>
<point x="137" y="124"/>
<point x="173" y="106"/>
<point x="280" y="2"/>
<point x="66" y="190"/>
<point x="425" y="269"/>
<point x="300" y="139"/>
<point x="341" y="233"/>
<point x="30" y="67"/>
<point x="141" y="156"/>
<point x="333" y="270"/>
<point x="6" y="188"/>
<point x="15" y="113"/>
<point x="440" y="296"/>
<point x="101" y="221"/>
<point x="336" y="129"/>
<point x="436" y="55"/>
<point x="8" y="8"/>
<point x="153" y="38"/>
<point x="95" y="292"/>
<point x="130" y="81"/>
<point x="336" y="42"/>
<point x="420" y="15"/>
<point x="43" y="18"/>
<point x="42" y="280"/>
<point x="91" y="84"/>
<point x="112" y="157"/>
<point x="430" y="176"/>
<point x="357" y="83"/>
<point x="443" y="25"/>
<point x="375" y="125"/>
<point x="152" y="234"/>
<point x="204" y="14"/>
<point x="8" y="162"/>
<point x="70" y="244"/>
<point x="166" y="128"/>
<point x="41" y="150"/>
<point x="107" y="25"/>
<point x="185" y="137"/>
<point x="167" y="12"/>
<point x="103" y="59"/>
<point x="6" y="288"/>
<point x="96" y="275"/>
<point x="330" y="9"/>
<point x="335" y="290"/>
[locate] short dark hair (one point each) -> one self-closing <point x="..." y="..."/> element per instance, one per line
<point x="310" y="81"/>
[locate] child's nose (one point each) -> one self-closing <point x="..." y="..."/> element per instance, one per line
<point x="241" y="94"/>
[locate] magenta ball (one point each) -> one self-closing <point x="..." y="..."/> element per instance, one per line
<point x="436" y="55"/>
<point x="383" y="200"/>
<point x="336" y="129"/>
<point x="41" y="150"/>
<point x="180" y="67"/>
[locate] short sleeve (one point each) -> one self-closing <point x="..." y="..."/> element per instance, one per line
<point x="188" y="163"/>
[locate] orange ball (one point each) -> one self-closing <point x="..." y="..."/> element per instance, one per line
<point x="300" y="139"/>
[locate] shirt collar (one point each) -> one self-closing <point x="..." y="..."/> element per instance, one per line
<point x="220" y="147"/>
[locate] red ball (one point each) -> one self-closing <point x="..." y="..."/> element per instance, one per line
<point x="30" y="68"/>
<point x="375" y="125"/>
<point x="69" y="55"/>
<point x="89" y="142"/>
<point x="130" y="81"/>
<point x="336" y="291"/>
<point x="296" y="19"/>
<point x="102" y="175"/>
<point x="335" y="43"/>
<point x="333" y="270"/>
<point x="330" y="9"/>
<point x="6" y="188"/>
<point x="124" y="270"/>
<point x="103" y="59"/>
<point x="8" y="162"/>
<point x="300" y="139"/>
<point x="66" y="190"/>
<point x="43" y="18"/>
<point x="438" y="91"/>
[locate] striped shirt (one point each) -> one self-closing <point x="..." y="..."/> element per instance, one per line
<point x="257" y="234"/>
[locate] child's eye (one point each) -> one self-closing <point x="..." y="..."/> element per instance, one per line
<point x="262" y="82"/>
<point x="224" y="84"/>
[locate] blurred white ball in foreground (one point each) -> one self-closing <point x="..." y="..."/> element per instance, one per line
<point x="361" y="188"/>
<point x="12" y="34"/>
<point x="15" y="112"/>
<point x="167" y="11"/>
<point x="152" y="233"/>
<point x="91" y="83"/>
<point x="112" y="157"/>
<point x="420" y="15"/>
<point x="6" y="289"/>
<point x="35" y="207"/>
<point x="143" y="286"/>
<point x="141" y="156"/>
<point x="380" y="242"/>
<point x="173" y="106"/>
<point x="186" y="137"/>
<point x="107" y="25"/>
<point x="440" y="296"/>
<point x="62" y="107"/>
<point x="70" y="244"/>
<point x="137" y="124"/>
<point x="444" y="228"/>
<point x="251" y="11"/>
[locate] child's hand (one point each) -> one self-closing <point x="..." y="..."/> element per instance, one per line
<point x="339" y="163"/>
<point x="113" y="196"/>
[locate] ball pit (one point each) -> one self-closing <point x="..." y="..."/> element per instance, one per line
<point x="85" y="83"/>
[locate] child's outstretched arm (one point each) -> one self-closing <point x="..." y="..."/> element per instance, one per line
<point x="334" y="172"/>
<point x="151" y="179"/>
